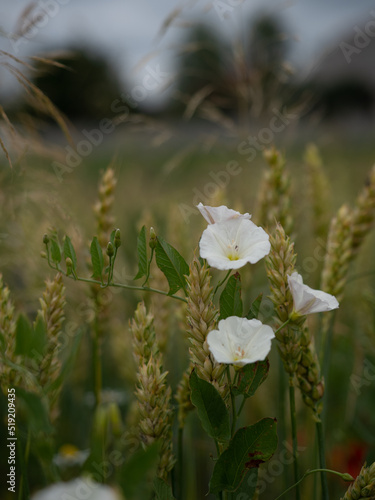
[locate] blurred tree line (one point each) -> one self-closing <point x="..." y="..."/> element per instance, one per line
<point x="213" y="79"/>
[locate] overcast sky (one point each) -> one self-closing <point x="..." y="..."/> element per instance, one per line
<point x="127" y="30"/>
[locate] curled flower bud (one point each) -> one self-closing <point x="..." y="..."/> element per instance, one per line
<point x="152" y="241"/>
<point x="46" y="239"/>
<point x="110" y="249"/>
<point x="69" y="263"/>
<point x="117" y="239"/>
<point x="43" y="255"/>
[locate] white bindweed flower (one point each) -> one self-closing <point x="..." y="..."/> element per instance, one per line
<point x="82" y="487"/>
<point x="220" y="214"/>
<point x="308" y="301"/>
<point x="240" y="341"/>
<point x="232" y="243"/>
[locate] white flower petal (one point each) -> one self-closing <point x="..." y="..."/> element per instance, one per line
<point x="240" y="341"/>
<point x="307" y="300"/>
<point x="233" y="243"/>
<point x="220" y="214"/>
<point x="78" y="488"/>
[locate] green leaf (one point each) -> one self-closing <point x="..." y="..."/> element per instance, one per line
<point x="55" y="251"/>
<point x="251" y="377"/>
<point x="255" y="308"/>
<point x="70" y="252"/>
<point x="211" y="408"/>
<point x="96" y="258"/>
<point x="246" y="489"/>
<point x="24" y="335"/>
<point x="249" y="447"/>
<point x="137" y="470"/>
<point x="31" y="408"/>
<point x="163" y="490"/>
<point x="112" y="237"/>
<point x="172" y="264"/>
<point x="30" y="341"/>
<point x="142" y="254"/>
<point x="230" y="298"/>
<point x="39" y="339"/>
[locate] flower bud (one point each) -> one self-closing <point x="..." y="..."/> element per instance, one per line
<point x="43" y="255"/>
<point x="46" y="239"/>
<point x="110" y="249"/>
<point x="117" y="239"/>
<point x="153" y="238"/>
<point x="69" y="263"/>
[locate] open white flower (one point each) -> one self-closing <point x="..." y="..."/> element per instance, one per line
<point x="308" y="301"/>
<point x="220" y="214"/>
<point x="232" y="243"/>
<point x="240" y="341"/>
<point x="82" y="487"/>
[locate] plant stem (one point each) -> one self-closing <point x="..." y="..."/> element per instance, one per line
<point x="222" y="281"/>
<point x="118" y="285"/>
<point x="293" y="420"/>
<point x="241" y="407"/>
<point x="97" y="364"/>
<point x="233" y="401"/>
<point x="307" y="473"/>
<point x="180" y="458"/>
<point x="282" y="382"/>
<point x="322" y="459"/>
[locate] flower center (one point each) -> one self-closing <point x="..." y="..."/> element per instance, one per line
<point x="239" y="353"/>
<point x="232" y="252"/>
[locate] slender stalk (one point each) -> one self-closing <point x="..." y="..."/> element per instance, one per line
<point x="282" y="383"/>
<point x="117" y="285"/>
<point x="343" y="476"/>
<point x="322" y="459"/>
<point x="97" y="368"/>
<point x="241" y="407"/>
<point x="222" y="281"/>
<point x="293" y="420"/>
<point x="180" y="458"/>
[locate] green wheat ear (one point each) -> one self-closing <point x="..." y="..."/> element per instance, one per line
<point x="274" y="200"/>
<point x="154" y="417"/>
<point x="8" y="331"/>
<point x="363" y="486"/>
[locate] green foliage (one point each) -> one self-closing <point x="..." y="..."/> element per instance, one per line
<point x="96" y="258"/>
<point x="163" y="490"/>
<point x="251" y="377"/>
<point x="55" y="251"/>
<point x="172" y="264"/>
<point x="31" y="409"/>
<point x="249" y="447"/>
<point x="30" y="341"/>
<point x="70" y="253"/>
<point x="135" y="473"/>
<point x="255" y="308"/>
<point x="211" y="408"/>
<point x="142" y="254"/>
<point x="230" y="298"/>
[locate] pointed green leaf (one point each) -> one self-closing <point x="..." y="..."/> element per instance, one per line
<point x="211" y="408"/>
<point x="32" y="409"/>
<point x="142" y="254"/>
<point x="172" y="264"/>
<point x="255" y="308"/>
<point x="251" y="377"/>
<point x="96" y="258"/>
<point x="112" y="237"/>
<point x="249" y="447"/>
<point x="163" y="490"/>
<point x="230" y="298"/>
<point x="137" y="470"/>
<point x="246" y="489"/>
<point x="70" y="252"/>
<point x="55" y="251"/>
<point x="39" y="339"/>
<point x="24" y="336"/>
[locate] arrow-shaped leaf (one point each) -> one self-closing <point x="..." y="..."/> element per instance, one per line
<point x="249" y="447"/>
<point x="251" y="377"/>
<point x="172" y="264"/>
<point x="142" y="254"/>
<point x="96" y="258"/>
<point x="230" y="298"/>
